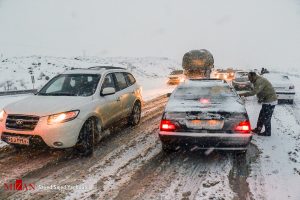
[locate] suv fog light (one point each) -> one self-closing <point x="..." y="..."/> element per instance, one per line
<point x="58" y="144"/>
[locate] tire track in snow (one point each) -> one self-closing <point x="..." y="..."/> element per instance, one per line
<point x="181" y="175"/>
<point x="74" y="170"/>
<point x="268" y="178"/>
<point x="115" y="170"/>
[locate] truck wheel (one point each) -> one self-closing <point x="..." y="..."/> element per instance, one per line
<point x="135" y="116"/>
<point x="85" y="145"/>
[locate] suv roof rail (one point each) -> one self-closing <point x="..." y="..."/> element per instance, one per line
<point x="97" y="68"/>
<point x="74" y="68"/>
<point x="105" y="67"/>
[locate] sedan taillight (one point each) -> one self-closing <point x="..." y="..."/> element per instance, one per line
<point x="243" y="127"/>
<point x="167" y="125"/>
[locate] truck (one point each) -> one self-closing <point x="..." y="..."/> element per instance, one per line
<point x="198" y="64"/>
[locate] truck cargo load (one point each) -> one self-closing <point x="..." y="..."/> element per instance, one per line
<point x="198" y="63"/>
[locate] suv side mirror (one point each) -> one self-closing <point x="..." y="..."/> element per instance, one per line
<point x="108" y="91"/>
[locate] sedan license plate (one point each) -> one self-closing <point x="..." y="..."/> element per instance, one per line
<point x="205" y="124"/>
<point x="17" y="140"/>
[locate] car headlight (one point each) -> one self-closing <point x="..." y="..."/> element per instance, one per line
<point x="63" y="117"/>
<point x="2" y="115"/>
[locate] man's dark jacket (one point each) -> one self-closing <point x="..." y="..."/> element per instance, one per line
<point x="264" y="90"/>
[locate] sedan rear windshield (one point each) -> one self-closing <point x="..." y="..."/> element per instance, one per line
<point x="196" y="93"/>
<point x="71" y="85"/>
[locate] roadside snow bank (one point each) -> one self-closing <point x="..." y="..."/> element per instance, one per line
<point x="276" y="175"/>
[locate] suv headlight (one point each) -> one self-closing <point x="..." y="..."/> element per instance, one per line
<point x="2" y="115"/>
<point x="63" y="117"/>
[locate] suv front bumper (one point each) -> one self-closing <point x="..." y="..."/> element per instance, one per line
<point x="66" y="134"/>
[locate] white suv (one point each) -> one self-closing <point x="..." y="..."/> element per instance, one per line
<point x="73" y="109"/>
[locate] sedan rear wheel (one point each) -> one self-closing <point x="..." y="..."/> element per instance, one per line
<point x="240" y="154"/>
<point x="168" y="148"/>
<point x="86" y="138"/>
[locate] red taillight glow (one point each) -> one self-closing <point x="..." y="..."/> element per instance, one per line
<point x="243" y="127"/>
<point x="204" y="101"/>
<point x="167" y="125"/>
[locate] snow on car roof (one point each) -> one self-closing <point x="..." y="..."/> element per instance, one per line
<point x="227" y="101"/>
<point x="230" y="105"/>
<point x="83" y="71"/>
<point x="203" y="83"/>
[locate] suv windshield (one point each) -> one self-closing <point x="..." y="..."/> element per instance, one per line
<point x="71" y="85"/>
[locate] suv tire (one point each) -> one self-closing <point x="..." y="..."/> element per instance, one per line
<point x="135" y="117"/>
<point x="85" y="145"/>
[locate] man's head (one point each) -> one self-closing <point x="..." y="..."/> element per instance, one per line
<point x="252" y="77"/>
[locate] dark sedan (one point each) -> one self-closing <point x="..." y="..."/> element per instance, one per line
<point x="205" y="114"/>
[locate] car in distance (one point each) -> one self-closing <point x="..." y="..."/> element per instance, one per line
<point x="220" y="74"/>
<point x="73" y="109"/>
<point x="284" y="88"/>
<point x="206" y="114"/>
<point x="176" y="77"/>
<point x="223" y="74"/>
<point x="241" y="81"/>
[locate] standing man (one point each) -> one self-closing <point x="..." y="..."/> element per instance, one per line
<point x="266" y="95"/>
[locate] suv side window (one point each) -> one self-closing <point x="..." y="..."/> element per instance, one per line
<point x="108" y="82"/>
<point x="130" y="79"/>
<point x="121" y="81"/>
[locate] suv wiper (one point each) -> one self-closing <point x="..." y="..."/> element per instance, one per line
<point x="42" y="94"/>
<point x="56" y="94"/>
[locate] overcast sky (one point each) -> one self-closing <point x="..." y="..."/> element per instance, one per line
<point x="237" y="32"/>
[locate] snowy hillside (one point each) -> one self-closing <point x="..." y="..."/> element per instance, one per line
<point x="149" y="71"/>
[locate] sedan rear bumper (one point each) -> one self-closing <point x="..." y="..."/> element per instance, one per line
<point x="227" y="141"/>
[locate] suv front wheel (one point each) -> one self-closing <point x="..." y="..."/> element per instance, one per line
<point x="85" y="145"/>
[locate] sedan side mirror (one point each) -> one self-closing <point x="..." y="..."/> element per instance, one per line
<point x="108" y="91"/>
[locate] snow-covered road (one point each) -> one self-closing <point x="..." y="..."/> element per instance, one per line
<point x="129" y="164"/>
